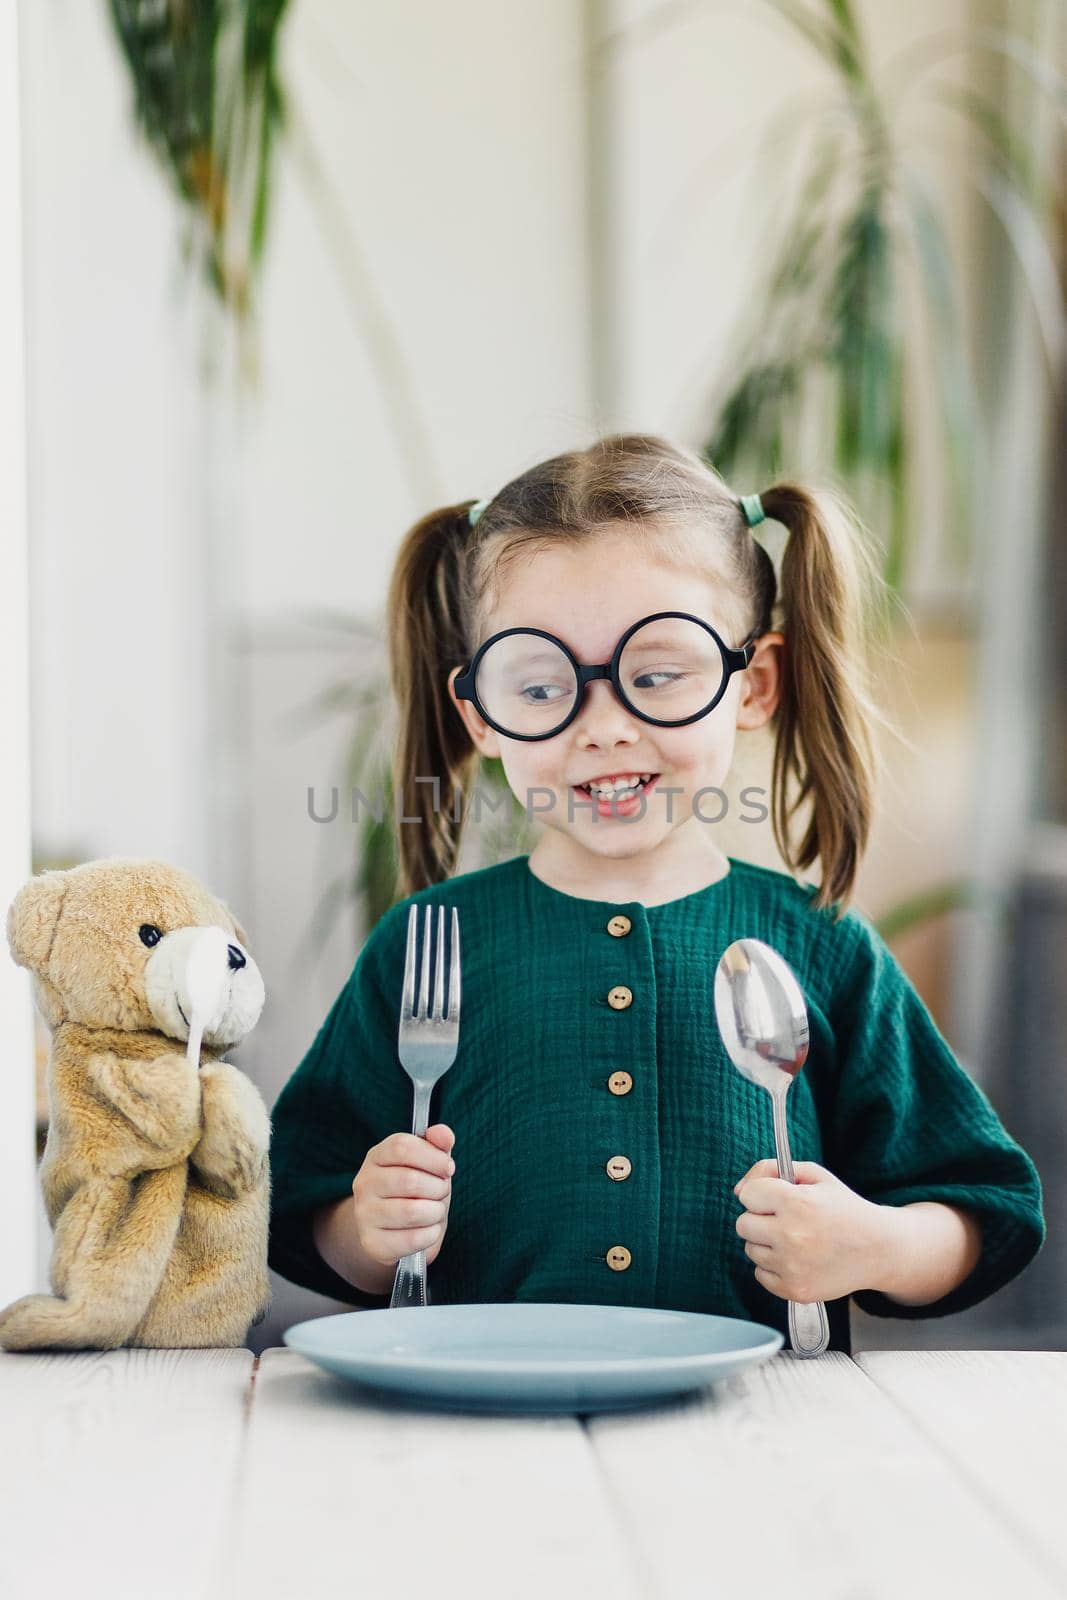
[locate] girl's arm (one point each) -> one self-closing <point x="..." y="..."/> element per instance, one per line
<point x="333" y="1230"/>
<point x="929" y="1250"/>
<point x="909" y="1129"/>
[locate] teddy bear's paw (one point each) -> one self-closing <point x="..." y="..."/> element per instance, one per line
<point x="158" y="1102"/>
<point x="229" y="1170"/>
<point x="232" y="1152"/>
<point x="45" y="1322"/>
<point x="172" y="1085"/>
<point x="229" y="1097"/>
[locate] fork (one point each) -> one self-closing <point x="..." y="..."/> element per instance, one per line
<point x="427" y="1046"/>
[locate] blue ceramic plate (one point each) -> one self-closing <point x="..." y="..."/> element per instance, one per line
<point x="530" y="1356"/>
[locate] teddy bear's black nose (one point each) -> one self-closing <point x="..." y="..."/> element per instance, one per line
<point x="237" y="960"/>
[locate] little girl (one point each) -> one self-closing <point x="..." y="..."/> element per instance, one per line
<point x="604" y="624"/>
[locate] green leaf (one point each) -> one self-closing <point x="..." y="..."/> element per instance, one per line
<point x="1034" y="256"/>
<point x="952" y="895"/>
<point x="208" y="111"/>
<point x="982" y="115"/>
<point x="956" y="383"/>
<point x="1017" y="48"/>
<point x="830" y="325"/>
<point x="834" y="37"/>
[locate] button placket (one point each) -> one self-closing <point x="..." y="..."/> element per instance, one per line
<point x="618" y="1257"/>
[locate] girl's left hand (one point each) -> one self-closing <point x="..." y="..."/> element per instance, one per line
<point x="815" y="1239"/>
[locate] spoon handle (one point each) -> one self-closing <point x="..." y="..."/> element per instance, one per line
<point x="809" y="1329"/>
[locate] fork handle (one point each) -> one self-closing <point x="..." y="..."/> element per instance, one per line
<point x="410" y="1287"/>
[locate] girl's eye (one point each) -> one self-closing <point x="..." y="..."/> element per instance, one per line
<point x="541" y="693"/>
<point x="149" y="934"/>
<point x="644" y="681"/>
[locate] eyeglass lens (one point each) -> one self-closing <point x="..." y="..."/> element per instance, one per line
<point x="669" y="669"/>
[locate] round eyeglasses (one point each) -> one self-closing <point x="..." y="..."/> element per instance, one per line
<point x="669" y="669"/>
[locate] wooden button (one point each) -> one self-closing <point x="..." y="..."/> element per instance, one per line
<point x="620" y="1083"/>
<point x="619" y="1167"/>
<point x="619" y="925"/>
<point x="619" y="1258"/>
<point x="620" y="997"/>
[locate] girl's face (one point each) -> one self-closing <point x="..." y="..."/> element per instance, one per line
<point x="588" y="596"/>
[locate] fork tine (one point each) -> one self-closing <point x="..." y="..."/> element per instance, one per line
<point x="439" y="968"/>
<point x="408" y="1001"/>
<point x="453" y="971"/>
<point x="424" y="962"/>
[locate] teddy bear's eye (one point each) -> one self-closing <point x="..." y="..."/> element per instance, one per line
<point x="150" y="934"/>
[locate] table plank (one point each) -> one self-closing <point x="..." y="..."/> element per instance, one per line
<point x="348" y="1493"/>
<point x="117" y="1471"/>
<point x="802" y="1477"/>
<point x="1000" y="1416"/>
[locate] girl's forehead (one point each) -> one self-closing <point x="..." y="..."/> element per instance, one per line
<point x="590" y="603"/>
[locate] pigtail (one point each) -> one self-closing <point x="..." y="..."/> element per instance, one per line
<point x="426" y="610"/>
<point x="824" y="747"/>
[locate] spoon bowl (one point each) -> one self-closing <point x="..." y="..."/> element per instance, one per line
<point x="762" y="1017"/>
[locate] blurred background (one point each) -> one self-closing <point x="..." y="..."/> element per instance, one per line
<point x="277" y="278"/>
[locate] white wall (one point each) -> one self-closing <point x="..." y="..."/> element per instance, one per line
<point x="114" y="420"/>
<point x="452" y="139"/>
<point x="18" y="1208"/>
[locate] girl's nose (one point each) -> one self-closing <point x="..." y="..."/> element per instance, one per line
<point x="604" y="719"/>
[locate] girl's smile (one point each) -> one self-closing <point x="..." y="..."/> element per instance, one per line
<point x="628" y="789"/>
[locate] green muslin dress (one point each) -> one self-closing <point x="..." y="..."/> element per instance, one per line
<point x="600" y="1126"/>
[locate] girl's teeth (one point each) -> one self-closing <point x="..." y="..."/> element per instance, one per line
<point x="619" y="787"/>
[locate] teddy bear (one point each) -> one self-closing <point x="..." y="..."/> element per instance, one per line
<point x="155" y="1171"/>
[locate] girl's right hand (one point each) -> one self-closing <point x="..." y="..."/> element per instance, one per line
<point x="402" y="1194"/>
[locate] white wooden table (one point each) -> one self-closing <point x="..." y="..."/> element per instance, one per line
<point x="208" y="1473"/>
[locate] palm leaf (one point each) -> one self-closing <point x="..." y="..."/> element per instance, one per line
<point x="835" y="37"/>
<point x="829" y="317"/>
<point x="960" y="418"/>
<point x="941" y="898"/>
<point x="1011" y="150"/>
<point x="1036" y="261"/>
<point x="207" y="98"/>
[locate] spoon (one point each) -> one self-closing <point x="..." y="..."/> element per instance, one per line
<point x="206" y="986"/>
<point x="759" y="1006"/>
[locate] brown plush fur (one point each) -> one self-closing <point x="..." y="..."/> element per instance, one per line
<point x="155" y="1174"/>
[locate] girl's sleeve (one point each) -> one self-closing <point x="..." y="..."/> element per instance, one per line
<point x="348" y="1093"/>
<point x="909" y="1123"/>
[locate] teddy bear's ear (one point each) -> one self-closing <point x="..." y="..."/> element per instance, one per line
<point x="32" y="918"/>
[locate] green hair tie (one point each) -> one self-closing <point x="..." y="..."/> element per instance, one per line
<point x="476" y="510"/>
<point x="752" y="507"/>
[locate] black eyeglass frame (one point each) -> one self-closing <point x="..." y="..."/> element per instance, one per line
<point x="733" y="661"/>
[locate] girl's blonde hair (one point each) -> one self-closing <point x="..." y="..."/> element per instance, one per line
<point x="678" y="509"/>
